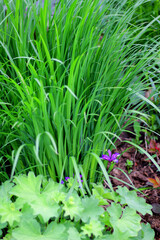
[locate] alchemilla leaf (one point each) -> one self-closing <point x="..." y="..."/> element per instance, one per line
<point x="73" y="234"/>
<point x="55" y="191"/>
<point x="30" y="230"/>
<point x="104" y="193"/>
<point x="91" y="209"/>
<point x="46" y="208"/>
<point x="27" y="230"/>
<point x="27" y="212"/>
<point x="101" y="200"/>
<point x="127" y="223"/>
<point x="146" y="233"/>
<point x="133" y="201"/>
<point x="115" y="211"/>
<point x="93" y="227"/>
<point x="4" y="190"/>
<point x="27" y="187"/>
<point x="9" y="213"/>
<point x="73" y="206"/>
<point x="55" y="231"/>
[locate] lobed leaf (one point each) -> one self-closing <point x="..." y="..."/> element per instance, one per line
<point x="46" y="208"/>
<point x="5" y="188"/>
<point x="126" y="223"/>
<point x="146" y="233"/>
<point x="27" y="187"/>
<point x="133" y="201"/>
<point x="73" y="234"/>
<point x="9" y="213"/>
<point x="91" y="209"/>
<point x="55" y="191"/>
<point x="93" y="227"/>
<point x="102" y="193"/>
<point x="30" y="230"/>
<point x="73" y="206"/>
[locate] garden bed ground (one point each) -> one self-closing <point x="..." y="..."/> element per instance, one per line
<point x="142" y="170"/>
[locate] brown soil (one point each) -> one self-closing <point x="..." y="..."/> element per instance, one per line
<point x="141" y="170"/>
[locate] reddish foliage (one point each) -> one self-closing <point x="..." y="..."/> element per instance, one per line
<point x="155" y="182"/>
<point x="154" y="147"/>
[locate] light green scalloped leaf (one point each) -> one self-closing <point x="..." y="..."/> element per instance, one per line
<point x="55" y="231"/>
<point x="5" y="188"/>
<point x="46" y="208"/>
<point x="105" y="193"/>
<point x="126" y="222"/>
<point x="91" y="209"/>
<point x="101" y="200"/>
<point x="115" y="211"/>
<point x="73" y="234"/>
<point x="27" y="230"/>
<point x="55" y="191"/>
<point x="73" y="206"/>
<point x="27" y="187"/>
<point x="146" y="233"/>
<point x="27" y="212"/>
<point x="117" y="235"/>
<point x="9" y="213"/>
<point x="30" y="230"/>
<point x="93" y="227"/>
<point x="133" y="201"/>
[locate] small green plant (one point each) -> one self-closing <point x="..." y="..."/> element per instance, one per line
<point x="32" y="208"/>
<point x="129" y="165"/>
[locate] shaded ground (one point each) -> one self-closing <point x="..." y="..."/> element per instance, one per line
<point x="141" y="170"/>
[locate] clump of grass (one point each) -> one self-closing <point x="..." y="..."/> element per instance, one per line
<point x="68" y="82"/>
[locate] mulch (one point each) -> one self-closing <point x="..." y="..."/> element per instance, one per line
<point x="142" y="169"/>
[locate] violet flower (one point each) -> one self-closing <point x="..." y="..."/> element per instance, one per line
<point x="111" y="157"/>
<point x="66" y="178"/>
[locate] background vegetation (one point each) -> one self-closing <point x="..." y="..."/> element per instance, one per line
<point x="71" y="82"/>
<point x="73" y="77"/>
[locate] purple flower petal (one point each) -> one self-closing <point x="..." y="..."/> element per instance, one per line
<point x="116" y="160"/>
<point x="66" y="178"/>
<point x="110" y="153"/>
<point x="62" y="182"/>
<point x="106" y="157"/>
<point x="115" y="155"/>
<point x="111" y="157"/>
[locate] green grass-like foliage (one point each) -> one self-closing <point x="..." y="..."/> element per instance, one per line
<point x="70" y="82"/>
<point x="145" y="13"/>
<point x="32" y="208"/>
